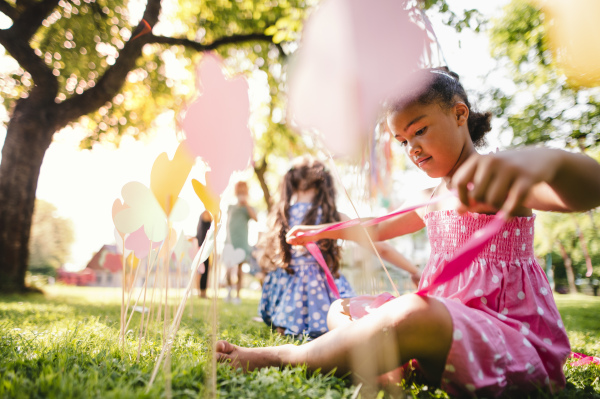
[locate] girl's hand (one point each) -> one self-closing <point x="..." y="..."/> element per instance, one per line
<point x="296" y="235"/>
<point x="502" y="180"/>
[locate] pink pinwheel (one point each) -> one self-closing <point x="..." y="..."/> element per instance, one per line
<point x="216" y="124"/>
<point x="354" y="54"/>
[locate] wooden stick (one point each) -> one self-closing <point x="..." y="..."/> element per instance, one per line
<point x="124" y="277"/>
<point x="151" y="304"/>
<point x="213" y="372"/>
<point x="178" y="316"/>
<point x="143" y="307"/>
<point x="167" y="270"/>
<point x="131" y="286"/>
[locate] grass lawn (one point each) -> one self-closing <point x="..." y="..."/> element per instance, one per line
<point x="65" y="344"/>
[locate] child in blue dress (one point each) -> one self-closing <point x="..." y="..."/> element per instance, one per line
<point x="296" y="298"/>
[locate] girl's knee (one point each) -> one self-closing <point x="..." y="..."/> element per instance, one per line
<point x="338" y="306"/>
<point x="338" y="313"/>
<point x="416" y="314"/>
<point x="423" y="323"/>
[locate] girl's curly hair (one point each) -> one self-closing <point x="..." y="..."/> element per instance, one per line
<point x="306" y="173"/>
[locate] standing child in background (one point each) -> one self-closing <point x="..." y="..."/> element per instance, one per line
<point x="238" y="216"/>
<point x="495" y="326"/>
<point x="203" y="227"/>
<point x="295" y="298"/>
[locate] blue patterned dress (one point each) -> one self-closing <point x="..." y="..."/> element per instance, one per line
<point x="299" y="302"/>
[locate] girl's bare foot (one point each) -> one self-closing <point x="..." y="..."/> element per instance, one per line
<point x="249" y="359"/>
<point x="390" y="378"/>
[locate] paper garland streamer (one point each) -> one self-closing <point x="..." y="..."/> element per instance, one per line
<point x="459" y="262"/>
<point x="364" y="304"/>
<point x="316" y="253"/>
<point x="583" y="360"/>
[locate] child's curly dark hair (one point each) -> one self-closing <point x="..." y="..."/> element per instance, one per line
<point x="306" y="173"/>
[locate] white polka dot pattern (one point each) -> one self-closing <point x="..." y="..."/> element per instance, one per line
<point x="299" y="302"/>
<point x="499" y="305"/>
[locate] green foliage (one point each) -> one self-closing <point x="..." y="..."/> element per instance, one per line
<point x="543" y="107"/>
<point x="470" y="19"/>
<point x="82" y="38"/>
<point x="553" y="227"/>
<point x="65" y="344"/>
<point x="579" y="316"/>
<point x="51" y="239"/>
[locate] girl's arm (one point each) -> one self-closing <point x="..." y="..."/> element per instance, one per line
<point x="539" y="178"/>
<point x="402" y="224"/>
<point x="390" y="254"/>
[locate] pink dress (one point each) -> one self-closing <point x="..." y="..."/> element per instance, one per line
<point x="508" y="333"/>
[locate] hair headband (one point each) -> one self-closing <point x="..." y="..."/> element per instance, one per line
<point x="441" y="72"/>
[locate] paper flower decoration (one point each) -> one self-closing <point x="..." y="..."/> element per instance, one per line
<point x="216" y="124"/>
<point x="354" y="54"/>
<point x="181" y="248"/>
<point x="139" y="243"/>
<point x="117" y="207"/>
<point x="167" y="247"/>
<point x="573" y="30"/>
<point x="233" y="256"/>
<point x="119" y="241"/>
<point x="208" y="198"/>
<point x="144" y="210"/>
<point x="167" y="177"/>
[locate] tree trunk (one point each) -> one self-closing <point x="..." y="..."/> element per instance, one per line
<point x="584" y="249"/>
<point x="28" y="136"/>
<point x="260" y="175"/>
<point x="568" y="267"/>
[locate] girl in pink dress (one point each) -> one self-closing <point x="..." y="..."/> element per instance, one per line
<point x="495" y="326"/>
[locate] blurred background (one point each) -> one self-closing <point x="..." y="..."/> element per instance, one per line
<point x="60" y="173"/>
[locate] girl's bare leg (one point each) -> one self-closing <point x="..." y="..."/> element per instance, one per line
<point x="409" y="327"/>
<point x="239" y="279"/>
<point x="228" y="272"/>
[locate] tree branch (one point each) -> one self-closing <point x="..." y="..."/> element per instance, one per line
<point x="113" y="78"/>
<point x="8" y="10"/>
<point x="46" y="84"/>
<point x="31" y="19"/>
<point x="174" y="41"/>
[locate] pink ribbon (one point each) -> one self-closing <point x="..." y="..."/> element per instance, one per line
<point x="583" y="359"/>
<point x="462" y="258"/>
<point x="316" y="253"/>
